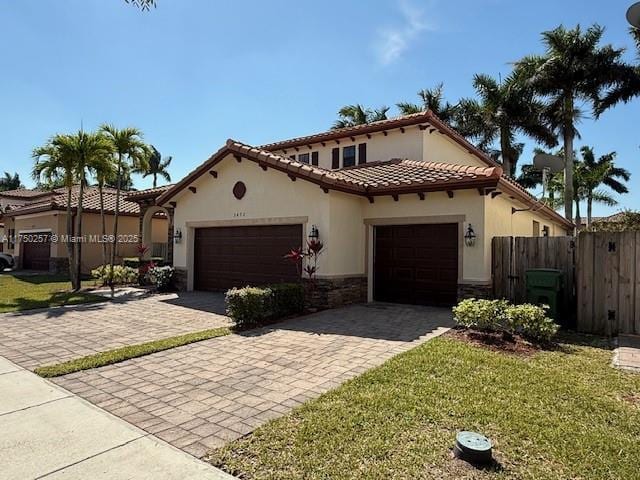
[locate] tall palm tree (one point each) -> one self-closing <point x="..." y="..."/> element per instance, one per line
<point x="628" y="86"/>
<point x="104" y="171"/>
<point x="130" y="153"/>
<point x="503" y="110"/>
<point x="351" y="115"/>
<point x="10" y="182"/>
<point x="53" y="165"/>
<point x="432" y="99"/>
<point x="142" y="4"/>
<point x="575" y="68"/>
<point x="602" y="171"/>
<point x="157" y="166"/>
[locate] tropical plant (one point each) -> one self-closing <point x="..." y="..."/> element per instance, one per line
<point x="157" y="166"/>
<point x="504" y="109"/>
<point x="628" y="86"/>
<point x="130" y="152"/>
<point x="596" y="173"/>
<point x="575" y="68"/>
<point x="10" y="182"/>
<point x="351" y="115"/>
<point x="142" y="4"/>
<point x="53" y="164"/>
<point x="104" y="172"/>
<point x="432" y="99"/>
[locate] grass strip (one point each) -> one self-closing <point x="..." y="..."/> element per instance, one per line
<point x="130" y="351"/>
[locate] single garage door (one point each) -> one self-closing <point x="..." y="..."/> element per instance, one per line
<point x="35" y="250"/>
<point x="226" y="257"/>
<point x="416" y="264"/>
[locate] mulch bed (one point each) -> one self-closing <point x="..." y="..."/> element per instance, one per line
<point x="515" y="345"/>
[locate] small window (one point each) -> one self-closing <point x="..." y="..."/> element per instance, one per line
<point x="314" y="158"/>
<point x="335" y="158"/>
<point x="303" y="158"/>
<point x="349" y="156"/>
<point x="362" y="153"/>
<point x="536" y="229"/>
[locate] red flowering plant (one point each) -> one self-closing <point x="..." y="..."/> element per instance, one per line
<point x="309" y="255"/>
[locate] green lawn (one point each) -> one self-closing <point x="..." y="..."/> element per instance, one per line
<point x="24" y="292"/>
<point x="556" y="415"/>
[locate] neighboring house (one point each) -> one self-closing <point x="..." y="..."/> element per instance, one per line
<point x="35" y="224"/>
<point x="392" y="202"/>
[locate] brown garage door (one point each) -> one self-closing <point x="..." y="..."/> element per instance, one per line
<point x="416" y="264"/>
<point x="226" y="257"/>
<point x="35" y="250"/>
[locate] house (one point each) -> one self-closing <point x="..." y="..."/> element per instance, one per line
<point x="406" y="209"/>
<point x="35" y="224"/>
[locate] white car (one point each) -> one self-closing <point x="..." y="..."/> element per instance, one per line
<point x="6" y="261"/>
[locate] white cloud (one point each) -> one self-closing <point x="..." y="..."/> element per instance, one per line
<point x="392" y="42"/>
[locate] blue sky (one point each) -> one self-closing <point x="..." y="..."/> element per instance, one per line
<point x="192" y="73"/>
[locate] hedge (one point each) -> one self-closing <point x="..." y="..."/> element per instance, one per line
<point x="255" y="306"/>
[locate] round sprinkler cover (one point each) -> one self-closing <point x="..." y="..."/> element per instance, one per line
<point x="473" y="447"/>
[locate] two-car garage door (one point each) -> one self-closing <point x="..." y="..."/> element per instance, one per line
<point x="416" y="264"/>
<point x="226" y="257"/>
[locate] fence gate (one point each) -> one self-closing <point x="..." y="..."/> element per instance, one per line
<point x="608" y="282"/>
<point x="512" y="256"/>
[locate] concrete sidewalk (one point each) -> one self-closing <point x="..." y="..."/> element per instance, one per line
<point x="47" y="432"/>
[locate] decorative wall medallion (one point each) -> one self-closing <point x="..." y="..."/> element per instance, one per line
<point x="239" y="189"/>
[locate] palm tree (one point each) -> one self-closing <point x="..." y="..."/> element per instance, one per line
<point x="504" y="109"/>
<point x="130" y="153"/>
<point x="10" y="182"/>
<point x="530" y="177"/>
<point x="432" y="99"/>
<point x="602" y="171"/>
<point x="53" y="165"/>
<point x="104" y="171"/>
<point x="574" y="68"/>
<point x="351" y="115"/>
<point x="157" y="166"/>
<point x="142" y="4"/>
<point x="629" y="85"/>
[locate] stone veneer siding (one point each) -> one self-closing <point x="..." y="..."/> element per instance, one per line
<point x="58" y="265"/>
<point x="180" y="279"/>
<point x="475" y="290"/>
<point x="336" y="292"/>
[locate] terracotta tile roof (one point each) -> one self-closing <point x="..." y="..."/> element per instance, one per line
<point x="426" y="118"/>
<point x="24" y="193"/>
<point x="148" y="193"/>
<point x="90" y="203"/>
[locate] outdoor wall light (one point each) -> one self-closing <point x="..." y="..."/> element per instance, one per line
<point x="470" y="236"/>
<point x="177" y="237"/>
<point x="314" y="235"/>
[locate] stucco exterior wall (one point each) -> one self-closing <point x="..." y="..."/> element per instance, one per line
<point x="379" y="147"/>
<point x="440" y="148"/>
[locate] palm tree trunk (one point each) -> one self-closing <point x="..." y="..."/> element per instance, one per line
<point x="568" y="157"/>
<point x="578" y="219"/>
<point x="115" y="225"/>
<point x="155" y="180"/>
<point x="104" y="224"/>
<point x="507" y="165"/>
<point x="70" y="255"/>
<point x="589" y="209"/>
<point x="78" y="243"/>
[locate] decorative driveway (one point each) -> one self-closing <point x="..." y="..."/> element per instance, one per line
<point x="203" y="395"/>
<point x="40" y="337"/>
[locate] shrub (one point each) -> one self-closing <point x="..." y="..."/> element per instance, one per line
<point x="531" y="321"/>
<point x="121" y="275"/>
<point x="161" y="277"/>
<point x="287" y="298"/>
<point x="481" y="314"/>
<point x="254" y="306"/>
<point x="528" y="320"/>
<point x="249" y="306"/>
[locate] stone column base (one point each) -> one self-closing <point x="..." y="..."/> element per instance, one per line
<point x="58" y="265"/>
<point x="326" y="293"/>
<point x="180" y="277"/>
<point x="475" y="290"/>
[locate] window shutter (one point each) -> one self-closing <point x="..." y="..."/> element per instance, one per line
<point x="314" y="158"/>
<point x="362" y="153"/>
<point x="335" y="158"/>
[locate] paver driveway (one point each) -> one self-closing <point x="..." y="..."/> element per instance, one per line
<point x="40" y="337"/>
<point x="202" y="395"/>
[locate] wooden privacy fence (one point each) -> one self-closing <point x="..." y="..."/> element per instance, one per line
<point x="608" y="282"/>
<point x="601" y="270"/>
<point x="511" y="257"/>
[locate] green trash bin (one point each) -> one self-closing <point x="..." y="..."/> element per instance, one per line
<point x="545" y="286"/>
